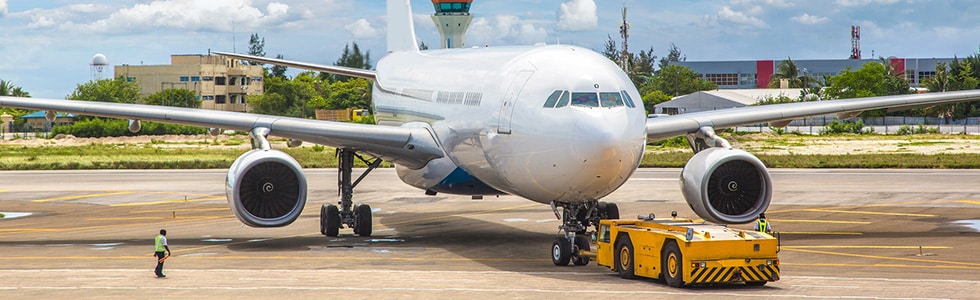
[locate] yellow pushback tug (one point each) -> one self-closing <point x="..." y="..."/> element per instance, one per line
<point x="683" y="252"/>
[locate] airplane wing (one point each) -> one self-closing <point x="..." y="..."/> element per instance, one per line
<point x="353" y="72"/>
<point x="412" y="147"/>
<point x="682" y="124"/>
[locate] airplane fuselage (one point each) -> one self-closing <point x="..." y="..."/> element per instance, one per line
<point x="547" y="123"/>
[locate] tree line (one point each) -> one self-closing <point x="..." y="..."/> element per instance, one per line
<point x="301" y="95"/>
<point x="660" y="83"/>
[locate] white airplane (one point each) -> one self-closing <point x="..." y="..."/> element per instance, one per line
<point x="559" y="125"/>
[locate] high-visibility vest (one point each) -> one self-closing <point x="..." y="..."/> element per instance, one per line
<point x="763" y="227"/>
<point x="159" y="244"/>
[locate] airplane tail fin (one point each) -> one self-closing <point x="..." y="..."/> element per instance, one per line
<point x="401" y="30"/>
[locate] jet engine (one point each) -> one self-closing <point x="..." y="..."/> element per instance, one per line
<point x="266" y="188"/>
<point x="725" y="185"/>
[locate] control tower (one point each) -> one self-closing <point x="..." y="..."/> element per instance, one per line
<point x="452" y="17"/>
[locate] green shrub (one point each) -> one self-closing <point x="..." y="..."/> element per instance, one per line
<point x="99" y="127"/>
<point x="837" y="127"/>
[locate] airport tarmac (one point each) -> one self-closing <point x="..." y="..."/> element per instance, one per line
<point x="845" y="234"/>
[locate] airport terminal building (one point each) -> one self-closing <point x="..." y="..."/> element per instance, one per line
<point x="751" y="74"/>
<point x="220" y="82"/>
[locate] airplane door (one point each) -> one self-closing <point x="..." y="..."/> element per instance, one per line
<point x="510" y="101"/>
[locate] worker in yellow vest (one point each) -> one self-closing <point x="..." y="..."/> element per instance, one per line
<point x="162" y="252"/>
<point x="762" y="225"/>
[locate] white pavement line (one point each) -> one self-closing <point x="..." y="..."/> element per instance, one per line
<point x="882" y="279"/>
<point x="827" y="286"/>
<point x="267" y="279"/>
<point x="475" y="290"/>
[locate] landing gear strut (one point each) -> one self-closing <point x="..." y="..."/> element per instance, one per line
<point x="357" y="217"/>
<point x="576" y="219"/>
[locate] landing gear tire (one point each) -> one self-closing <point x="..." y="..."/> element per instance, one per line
<point x="582" y="242"/>
<point x="624" y="258"/>
<point x="561" y="251"/>
<point x="672" y="265"/>
<point x="329" y="220"/>
<point x="610" y="211"/>
<point x="362" y="216"/>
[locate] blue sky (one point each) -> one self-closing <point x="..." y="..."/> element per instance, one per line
<point x="46" y="45"/>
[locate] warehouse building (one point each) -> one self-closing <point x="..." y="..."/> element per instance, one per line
<point x="757" y="74"/>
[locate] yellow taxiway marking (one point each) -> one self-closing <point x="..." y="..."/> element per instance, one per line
<point x="157" y="218"/>
<point x="169" y="201"/>
<point x="3" y="191"/>
<point x="146" y="211"/>
<point x="184" y="250"/>
<point x="821" y="232"/>
<point x="2" y="230"/>
<point x="275" y="257"/>
<point x="820" y="221"/>
<point x="167" y="221"/>
<point x="960" y="201"/>
<point x="920" y="260"/>
<point x="868" y="212"/>
<point x="865" y="247"/>
<point x="460" y="214"/>
<point x="67" y="198"/>
<point x="846" y="265"/>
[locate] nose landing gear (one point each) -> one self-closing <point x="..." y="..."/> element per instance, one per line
<point x="576" y="219"/>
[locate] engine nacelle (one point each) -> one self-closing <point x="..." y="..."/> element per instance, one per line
<point x="724" y="185"/>
<point x="266" y="188"/>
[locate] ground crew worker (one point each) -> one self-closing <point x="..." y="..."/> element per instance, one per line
<point x="161" y="249"/>
<point x="762" y="225"/>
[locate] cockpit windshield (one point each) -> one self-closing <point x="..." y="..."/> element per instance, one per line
<point x="588" y="99"/>
<point x="611" y="99"/>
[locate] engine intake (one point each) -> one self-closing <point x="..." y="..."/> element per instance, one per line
<point x="725" y="185"/>
<point x="266" y="188"/>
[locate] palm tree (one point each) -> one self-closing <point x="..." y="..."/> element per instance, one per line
<point x="789" y="71"/>
<point x="7" y="88"/>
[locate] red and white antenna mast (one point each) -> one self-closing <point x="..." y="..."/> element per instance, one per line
<point x="855" y="42"/>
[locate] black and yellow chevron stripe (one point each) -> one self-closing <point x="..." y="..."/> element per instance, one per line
<point x="734" y="274"/>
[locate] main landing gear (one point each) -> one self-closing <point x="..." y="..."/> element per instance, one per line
<point x="576" y="219"/>
<point x="358" y="216"/>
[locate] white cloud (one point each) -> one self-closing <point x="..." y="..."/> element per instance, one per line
<point x="191" y="15"/>
<point x="578" y="15"/>
<point x="807" y="19"/>
<point x="504" y="29"/>
<point x="3" y="8"/>
<point x="851" y="3"/>
<point x="361" y="29"/>
<point x="738" y="18"/>
<point x="768" y="3"/>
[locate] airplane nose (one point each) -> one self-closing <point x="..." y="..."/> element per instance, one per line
<point x="606" y="154"/>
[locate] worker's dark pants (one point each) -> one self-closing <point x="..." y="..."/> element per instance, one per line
<point x="159" y="270"/>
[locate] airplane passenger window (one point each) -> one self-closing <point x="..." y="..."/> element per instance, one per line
<point x="611" y="99"/>
<point x="564" y="99"/>
<point x="629" y="101"/>
<point x="552" y="99"/>
<point x="585" y="99"/>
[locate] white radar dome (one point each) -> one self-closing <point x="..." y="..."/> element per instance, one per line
<point x="99" y="60"/>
